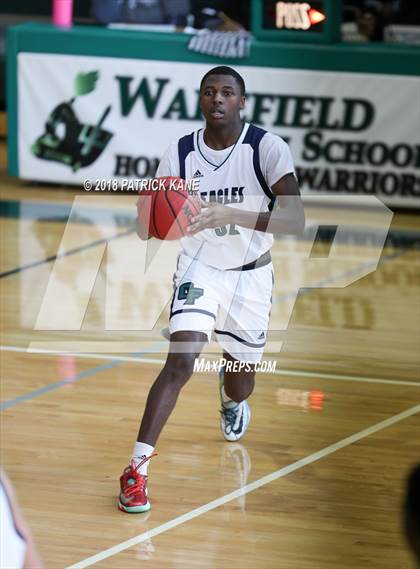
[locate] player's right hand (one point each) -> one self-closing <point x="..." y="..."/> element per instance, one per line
<point x="141" y="230"/>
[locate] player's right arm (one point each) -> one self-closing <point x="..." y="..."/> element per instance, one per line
<point x="141" y="229"/>
<point x="168" y="166"/>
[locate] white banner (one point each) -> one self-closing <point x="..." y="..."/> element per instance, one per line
<point x="99" y="118"/>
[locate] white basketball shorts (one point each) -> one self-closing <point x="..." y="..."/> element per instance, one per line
<point x="235" y="305"/>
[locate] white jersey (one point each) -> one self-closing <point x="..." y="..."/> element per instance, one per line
<point x="12" y="543"/>
<point x="240" y="176"/>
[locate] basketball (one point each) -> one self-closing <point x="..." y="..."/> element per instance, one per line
<point x="166" y="207"/>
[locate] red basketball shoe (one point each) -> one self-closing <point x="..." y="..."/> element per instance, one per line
<point x="133" y="496"/>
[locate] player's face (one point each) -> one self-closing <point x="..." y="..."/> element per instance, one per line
<point x="221" y="100"/>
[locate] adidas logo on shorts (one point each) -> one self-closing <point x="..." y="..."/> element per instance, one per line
<point x="261" y="336"/>
<point x="198" y="174"/>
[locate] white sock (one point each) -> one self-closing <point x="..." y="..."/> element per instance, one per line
<point x="140" y="451"/>
<point x="227" y="401"/>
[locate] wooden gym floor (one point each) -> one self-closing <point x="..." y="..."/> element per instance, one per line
<point x="318" y="481"/>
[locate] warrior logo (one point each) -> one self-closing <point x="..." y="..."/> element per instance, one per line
<point x="66" y="139"/>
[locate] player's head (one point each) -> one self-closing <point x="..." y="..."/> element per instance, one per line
<point x="225" y="70"/>
<point x="222" y="95"/>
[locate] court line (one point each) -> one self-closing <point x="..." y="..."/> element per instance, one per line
<point x="282" y="472"/>
<point x="56" y="385"/>
<point x="142" y="360"/>
<point x="105" y="240"/>
<point x="52" y="386"/>
<point x="64" y="254"/>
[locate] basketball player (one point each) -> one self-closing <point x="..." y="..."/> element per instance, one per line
<point x="17" y="546"/>
<point x="224" y="275"/>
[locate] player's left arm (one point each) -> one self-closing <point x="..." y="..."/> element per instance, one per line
<point x="286" y="217"/>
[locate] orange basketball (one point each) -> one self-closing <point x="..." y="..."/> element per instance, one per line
<point x="166" y="207"/>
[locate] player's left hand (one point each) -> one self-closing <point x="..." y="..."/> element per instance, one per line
<point x="213" y="214"/>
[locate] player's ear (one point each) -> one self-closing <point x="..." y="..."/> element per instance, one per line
<point x="242" y="102"/>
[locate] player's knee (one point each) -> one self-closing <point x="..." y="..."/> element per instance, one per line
<point x="178" y="370"/>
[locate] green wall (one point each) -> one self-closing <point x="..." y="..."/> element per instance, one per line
<point x="98" y="41"/>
